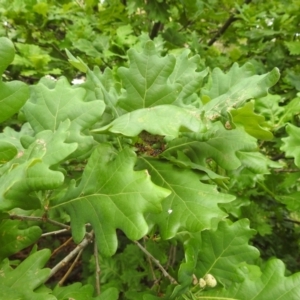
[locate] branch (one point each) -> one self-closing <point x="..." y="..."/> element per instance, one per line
<point x="157" y="263"/>
<point x="61" y="282"/>
<point x="39" y="219"/>
<point x="229" y="21"/>
<point x="98" y="270"/>
<point x="73" y="253"/>
<point x="158" y="26"/>
<point x="55" y="232"/>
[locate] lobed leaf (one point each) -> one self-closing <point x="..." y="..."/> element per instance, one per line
<point x="271" y="285"/>
<point x="112" y="195"/>
<point x="291" y="143"/>
<point x="31" y="170"/>
<point x="14" y="94"/>
<point x="146" y="80"/>
<point x="13" y="239"/>
<point x="217" y="143"/>
<point x="165" y="120"/>
<point x="48" y="107"/>
<point x="191" y="206"/>
<point x="236" y="87"/>
<point x="224" y="249"/>
<point x="26" y="277"/>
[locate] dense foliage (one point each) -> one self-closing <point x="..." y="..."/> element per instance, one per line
<point x="170" y="171"/>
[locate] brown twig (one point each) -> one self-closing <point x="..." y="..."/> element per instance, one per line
<point x="98" y="270"/>
<point x="61" y="282"/>
<point x="38" y="219"/>
<point x="62" y="246"/>
<point x="157" y="263"/>
<point x="73" y="253"/>
<point x="229" y="21"/>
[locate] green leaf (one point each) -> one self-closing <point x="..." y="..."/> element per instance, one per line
<point x="7" y="152"/>
<point x="291" y="200"/>
<point x="146" y="80"/>
<point x="191" y="206"/>
<point x="236" y="87"/>
<point x="112" y="195"/>
<point x="31" y="170"/>
<point x="291" y="109"/>
<point x="218" y="144"/>
<point x="27" y="277"/>
<point x="186" y="76"/>
<point x="252" y="122"/>
<point x="109" y="294"/>
<point x="77" y="62"/>
<point x="291" y="143"/>
<point x="79" y="292"/>
<point x="271" y="285"/>
<point x="294" y="47"/>
<point x="165" y="120"/>
<point x="48" y="108"/>
<point x="13" y="239"/>
<point x="269" y="108"/>
<point x="14" y="94"/>
<point x="257" y="162"/>
<point x="224" y="249"/>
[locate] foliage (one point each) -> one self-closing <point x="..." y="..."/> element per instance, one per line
<point x="169" y="173"/>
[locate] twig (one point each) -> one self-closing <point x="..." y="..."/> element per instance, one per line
<point x="157" y="27"/>
<point x="229" y="21"/>
<point x="288" y="220"/>
<point x="62" y="246"/>
<point x="61" y="282"/>
<point x="157" y="263"/>
<point x="98" y="270"/>
<point x="73" y="253"/>
<point x="151" y="266"/>
<point x="38" y="219"/>
<point x="55" y="232"/>
<point x="171" y="259"/>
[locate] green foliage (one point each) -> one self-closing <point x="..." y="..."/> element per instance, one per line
<point x="172" y="170"/>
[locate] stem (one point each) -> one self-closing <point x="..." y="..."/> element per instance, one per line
<point x="158" y="26"/>
<point x="157" y="263"/>
<point x="98" y="270"/>
<point x="62" y="246"/>
<point x="39" y="219"/>
<point x="61" y="282"/>
<point x="55" y="232"/>
<point x="72" y="254"/>
<point x="229" y="21"/>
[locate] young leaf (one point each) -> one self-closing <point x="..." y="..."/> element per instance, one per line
<point x="14" y="94"/>
<point x="146" y="80"/>
<point x="252" y="122"/>
<point x="224" y="249"/>
<point x="112" y="195"/>
<point x="192" y="204"/>
<point x="47" y="108"/>
<point x="27" y="277"/>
